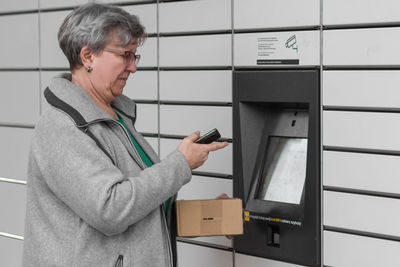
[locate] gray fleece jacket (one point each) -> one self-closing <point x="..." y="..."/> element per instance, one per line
<point x="89" y="207"/>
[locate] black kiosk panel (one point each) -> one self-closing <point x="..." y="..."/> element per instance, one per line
<point x="276" y="163"/>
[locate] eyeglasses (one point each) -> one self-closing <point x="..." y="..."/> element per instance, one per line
<point x="127" y="55"/>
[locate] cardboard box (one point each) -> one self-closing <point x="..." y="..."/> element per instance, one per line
<point x="211" y="217"/>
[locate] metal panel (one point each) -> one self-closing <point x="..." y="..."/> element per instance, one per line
<point x="19" y="99"/>
<point x="361" y="88"/>
<point x="269" y="14"/>
<point x="51" y="54"/>
<point x="147" y="15"/>
<point x="196" y="85"/>
<point x="376" y="46"/>
<point x="201" y="50"/>
<point x="198" y="256"/>
<point x="11" y="251"/>
<point x="219" y="161"/>
<point x="202" y="187"/>
<point x="276" y="48"/>
<point x="14" y="149"/>
<point x="21" y="5"/>
<point x="360" y="11"/>
<point x="147" y="118"/>
<point x="350" y="251"/>
<point x="362" y="213"/>
<point x="184" y="120"/>
<point x="12" y="208"/>
<point x="19" y="44"/>
<point x="370" y="130"/>
<point x="142" y="85"/>
<point x="148" y="52"/>
<point x="206" y="15"/>
<point x="362" y="171"/>
<point x="242" y="260"/>
<point x="60" y="3"/>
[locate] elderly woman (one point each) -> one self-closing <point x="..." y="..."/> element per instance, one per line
<point x="96" y="189"/>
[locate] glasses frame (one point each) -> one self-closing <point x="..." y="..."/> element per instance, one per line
<point x="127" y="55"/>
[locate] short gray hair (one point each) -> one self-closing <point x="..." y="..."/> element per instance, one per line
<point x="93" y="25"/>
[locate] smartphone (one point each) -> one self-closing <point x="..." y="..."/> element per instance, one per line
<point x="209" y="137"/>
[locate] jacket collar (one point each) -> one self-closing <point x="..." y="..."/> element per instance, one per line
<point x="71" y="98"/>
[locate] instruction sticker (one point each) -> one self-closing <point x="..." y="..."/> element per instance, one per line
<point x="282" y="49"/>
<point x="248" y="216"/>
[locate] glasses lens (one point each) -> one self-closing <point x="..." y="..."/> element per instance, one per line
<point x="137" y="59"/>
<point x="130" y="57"/>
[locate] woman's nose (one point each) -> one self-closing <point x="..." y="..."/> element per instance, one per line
<point x="131" y="67"/>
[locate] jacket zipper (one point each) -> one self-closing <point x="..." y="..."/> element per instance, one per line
<point x="132" y="145"/>
<point x="120" y="261"/>
<point x="168" y="238"/>
<point x="162" y="207"/>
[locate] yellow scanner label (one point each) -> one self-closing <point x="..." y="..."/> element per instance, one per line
<point x="246" y="216"/>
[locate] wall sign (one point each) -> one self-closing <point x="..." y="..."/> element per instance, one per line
<point x="277" y="48"/>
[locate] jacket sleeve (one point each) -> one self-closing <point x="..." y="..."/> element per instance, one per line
<point x="79" y="173"/>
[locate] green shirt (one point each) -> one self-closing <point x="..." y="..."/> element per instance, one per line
<point x="147" y="161"/>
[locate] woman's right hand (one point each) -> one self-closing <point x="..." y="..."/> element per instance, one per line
<point x="197" y="154"/>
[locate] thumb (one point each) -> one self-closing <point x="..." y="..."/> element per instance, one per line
<point x="216" y="146"/>
<point x="194" y="136"/>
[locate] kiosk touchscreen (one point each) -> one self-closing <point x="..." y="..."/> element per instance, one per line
<point x="276" y="153"/>
<point x="284" y="170"/>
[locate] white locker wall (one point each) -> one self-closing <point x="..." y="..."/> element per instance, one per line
<point x="359" y="129"/>
<point x="339" y="12"/>
<point x="23" y="5"/>
<point x="198" y="16"/>
<point x="264" y="14"/>
<point x="51" y="56"/>
<point x="147" y="15"/>
<point x="364" y="89"/>
<point x="184" y="83"/>
<point x="19" y="102"/>
<point x="20" y="41"/>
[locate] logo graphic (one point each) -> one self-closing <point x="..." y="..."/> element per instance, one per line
<point x="292" y="43"/>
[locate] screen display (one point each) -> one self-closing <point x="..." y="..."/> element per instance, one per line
<point x="284" y="172"/>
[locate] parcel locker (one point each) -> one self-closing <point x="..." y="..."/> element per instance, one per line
<point x="276" y="155"/>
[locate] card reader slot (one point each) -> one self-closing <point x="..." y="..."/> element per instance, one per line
<point x="273" y="235"/>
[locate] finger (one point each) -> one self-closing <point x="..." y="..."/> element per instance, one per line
<point x="216" y="146"/>
<point x="194" y="136"/>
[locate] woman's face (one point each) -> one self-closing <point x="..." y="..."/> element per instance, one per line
<point x="111" y="69"/>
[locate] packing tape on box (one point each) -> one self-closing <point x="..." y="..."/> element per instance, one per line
<point x="211" y="215"/>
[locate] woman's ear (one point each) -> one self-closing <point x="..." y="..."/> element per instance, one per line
<point x="86" y="56"/>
